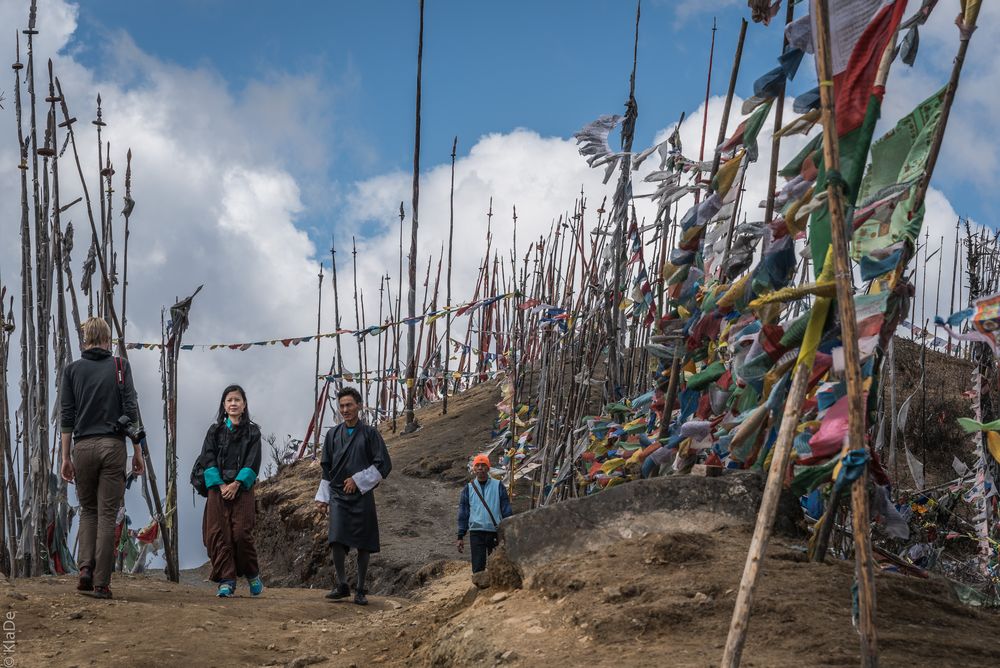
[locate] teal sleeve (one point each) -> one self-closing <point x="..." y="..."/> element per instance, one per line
<point x="247" y="477"/>
<point x="212" y="477"/>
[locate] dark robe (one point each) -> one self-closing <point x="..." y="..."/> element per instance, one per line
<point x="353" y="521"/>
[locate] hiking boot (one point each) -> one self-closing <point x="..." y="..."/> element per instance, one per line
<point x="339" y="592"/>
<point x="360" y="598"/>
<point x="256" y="586"/>
<point x="86" y="582"/>
<point x="101" y="592"/>
<point x="226" y="589"/>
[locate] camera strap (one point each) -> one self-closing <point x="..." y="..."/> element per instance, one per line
<point x="120" y="381"/>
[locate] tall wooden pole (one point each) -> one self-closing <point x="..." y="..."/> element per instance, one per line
<point x="411" y="350"/>
<point x="127" y="212"/>
<point x="723" y="131"/>
<point x="319" y="325"/>
<point x="357" y="320"/>
<point x="336" y="307"/>
<point x="623" y="194"/>
<point x="724" y="125"/>
<point x="849" y="340"/>
<point x="451" y="241"/>
<point x="704" y="118"/>
<point x="954" y="277"/>
<point x="772" y="178"/>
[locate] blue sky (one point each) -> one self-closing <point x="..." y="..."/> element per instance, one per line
<point x="488" y="67"/>
<point x="258" y="130"/>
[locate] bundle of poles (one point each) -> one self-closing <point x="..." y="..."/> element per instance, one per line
<point x="598" y="320"/>
<point x="35" y="515"/>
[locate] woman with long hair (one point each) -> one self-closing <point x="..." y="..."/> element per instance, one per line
<point x="231" y="455"/>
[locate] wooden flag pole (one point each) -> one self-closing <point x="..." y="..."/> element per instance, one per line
<point x="849" y="340"/>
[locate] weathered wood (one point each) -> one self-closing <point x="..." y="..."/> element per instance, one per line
<point x="772" y="175"/>
<point x="451" y="243"/>
<point x="849" y="341"/>
<point x="319" y="329"/>
<point x="411" y="351"/>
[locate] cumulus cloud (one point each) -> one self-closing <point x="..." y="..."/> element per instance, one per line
<point x="223" y="179"/>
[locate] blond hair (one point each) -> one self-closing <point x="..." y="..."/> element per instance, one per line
<point x="96" y="333"/>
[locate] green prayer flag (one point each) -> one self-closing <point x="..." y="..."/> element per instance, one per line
<point x="710" y="374"/>
<point x="853" y="154"/>
<point x="898" y="161"/>
<point x="752" y="129"/>
<point x="794" y="168"/>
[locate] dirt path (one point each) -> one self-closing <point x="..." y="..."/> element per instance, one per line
<point x="658" y="599"/>
<point x="152" y="622"/>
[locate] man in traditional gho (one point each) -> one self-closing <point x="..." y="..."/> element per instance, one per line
<point x="354" y="462"/>
<point x="483" y="505"/>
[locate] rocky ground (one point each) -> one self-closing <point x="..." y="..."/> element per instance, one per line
<point x="643" y="574"/>
<point x="657" y="599"/>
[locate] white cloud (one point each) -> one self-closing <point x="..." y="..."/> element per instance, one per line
<point x="222" y="178"/>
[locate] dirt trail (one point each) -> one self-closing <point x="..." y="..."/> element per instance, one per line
<point x="659" y="599"/>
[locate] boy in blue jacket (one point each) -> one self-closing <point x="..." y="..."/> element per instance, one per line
<point x="483" y="505"/>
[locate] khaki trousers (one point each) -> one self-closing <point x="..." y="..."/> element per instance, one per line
<point x="100" y="487"/>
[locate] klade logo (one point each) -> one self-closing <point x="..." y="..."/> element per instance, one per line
<point x="9" y="638"/>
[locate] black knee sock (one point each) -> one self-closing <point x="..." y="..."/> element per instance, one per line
<point x="363" y="557"/>
<point x="339" y="556"/>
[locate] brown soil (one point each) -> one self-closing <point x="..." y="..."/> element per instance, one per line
<point x="660" y="599"/>
<point x="417" y="504"/>
<point x="931" y="433"/>
<point x="656" y="599"/>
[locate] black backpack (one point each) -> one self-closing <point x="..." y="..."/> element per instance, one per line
<point x="198" y="474"/>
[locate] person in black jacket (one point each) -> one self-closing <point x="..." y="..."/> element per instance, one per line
<point x="232" y="455"/>
<point x="96" y="392"/>
<point x="354" y="461"/>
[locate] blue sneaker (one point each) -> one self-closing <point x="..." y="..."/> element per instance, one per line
<point x="256" y="586"/>
<point x="226" y="589"/>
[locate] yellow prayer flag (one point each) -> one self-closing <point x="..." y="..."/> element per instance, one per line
<point x="727" y="173"/>
<point x="993" y="443"/>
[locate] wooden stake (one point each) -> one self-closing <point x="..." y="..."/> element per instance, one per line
<point x="849" y="340"/>
<point x="451" y="241"/>
<point x="772" y="179"/>
<point x="411" y="351"/>
<point x="319" y="326"/>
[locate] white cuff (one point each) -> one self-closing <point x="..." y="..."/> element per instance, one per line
<point x="323" y="493"/>
<point x="367" y="480"/>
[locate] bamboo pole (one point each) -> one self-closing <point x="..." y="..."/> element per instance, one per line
<point x="398" y="326"/>
<point x="126" y="212"/>
<point x="724" y="125"/>
<point x="336" y="307"/>
<point x="723" y="131"/>
<point x="772" y="179"/>
<point x="849" y="339"/>
<point x="319" y="329"/>
<point x="451" y="241"/>
<point x="116" y="324"/>
<point x="623" y="193"/>
<point x="37" y="417"/>
<point x="411" y="351"/>
<point x="360" y="379"/>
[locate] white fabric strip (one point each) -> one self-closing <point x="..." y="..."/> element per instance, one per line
<point x="367" y="480"/>
<point x="323" y="493"/>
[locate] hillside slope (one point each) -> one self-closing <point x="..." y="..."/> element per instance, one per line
<point x="417" y="503"/>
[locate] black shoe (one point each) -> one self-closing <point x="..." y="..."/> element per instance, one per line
<point x="360" y="598"/>
<point x="100" y="592"/>
<point x="339" y="592"/>
<point x="86" y="582"/>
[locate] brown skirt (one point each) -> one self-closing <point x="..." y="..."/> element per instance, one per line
<point x="227" y="531"/>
